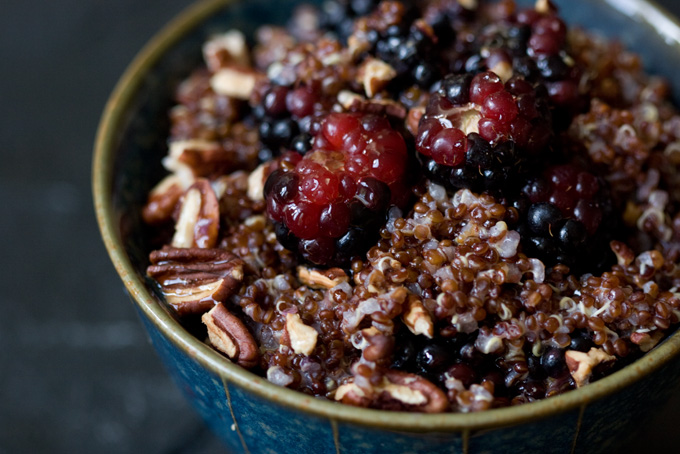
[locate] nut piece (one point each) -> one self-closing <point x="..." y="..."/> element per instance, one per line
<point x="646" y="341"/>
<point x="543" y="6"/>
<point x="226" y="49"/>
<point x="504" y="70"/>
<point x="416" y="318"/>
<point x="256" y="180"/>
<point x="162" y="200"/>
<point x="411" y="389"/>
<point x="581" y="364"/>
<point x="302" y="337"/>
<point x="176" y="161"/>
<point x="199" y="158"/>
<point x="235" y="82"/>
<point x="408" y="391"/>
<point x="376" y="345"/>
<point x="193" y="280"/>
<point x="353" y="102"/>
<point x="374" y="75"/>
<point x="199" y="218"/>
<point x="321" y="279"/>
<point x="228" y="334"/>
<point x="624" y="255"/>
<point x="413" y="119"/>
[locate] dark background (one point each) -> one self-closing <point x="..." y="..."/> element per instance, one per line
<point x="77" y="374"/>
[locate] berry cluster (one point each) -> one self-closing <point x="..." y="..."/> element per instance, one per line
<point x="567" y="217"/>
<point x="532" y="44"/>
<point x="410" y="51"/>
<point x="478" y="132"/>
<point x="527" y="378"/>
<point x="285" y="115"/>
<point x="338" y="16"/>
<point x="330" y="203"/>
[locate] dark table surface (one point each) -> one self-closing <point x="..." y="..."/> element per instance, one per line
<point x="77" y="374"/>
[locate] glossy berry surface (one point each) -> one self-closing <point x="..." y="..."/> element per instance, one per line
<point x="330" y="205"/>
<point x="567" y="216"/>
<point x="284" y="115"/>
<point x="478" y="132"/>
<point x="532" y="45"/>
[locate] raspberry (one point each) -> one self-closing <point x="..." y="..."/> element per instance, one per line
<point x="478" y="132"/>
<point x="330" y="204"/>
<point x="568" y="217"/>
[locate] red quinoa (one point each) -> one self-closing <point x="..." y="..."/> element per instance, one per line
<point x="538" y="259"/>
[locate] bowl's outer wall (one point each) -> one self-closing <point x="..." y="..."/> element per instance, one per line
<point x="248" y="423"/>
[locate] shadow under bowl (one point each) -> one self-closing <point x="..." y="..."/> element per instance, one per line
<point x="252" y="415"/>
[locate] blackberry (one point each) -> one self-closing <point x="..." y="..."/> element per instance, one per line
<point x="553" y="362"/>
<point x="284" y="115"/>
<point x="533" y="45"/>
<point x="433" y="358"/>
<point x="337" y="16"/>
<point x="567" y="216"/>
<point x="479" y="133"/>
<point x="409" y="45"/>
<point x="330" y="203"/>
<point x="581" y="342"/>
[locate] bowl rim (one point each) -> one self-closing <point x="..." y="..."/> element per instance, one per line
<point x="647" y="12"/>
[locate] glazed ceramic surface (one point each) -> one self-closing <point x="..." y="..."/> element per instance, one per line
<point x="254" y="416"/>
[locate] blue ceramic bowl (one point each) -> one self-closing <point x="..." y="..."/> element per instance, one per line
<point x="252" y="415"/>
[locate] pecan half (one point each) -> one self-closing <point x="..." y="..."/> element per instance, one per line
<point x="193" y="280"/>
<point x="199" y="217"/>
<point x="398" y="390"/>
<point x="228" y="334"/>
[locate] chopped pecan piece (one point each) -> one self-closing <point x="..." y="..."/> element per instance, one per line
<point x="199" y="218"/>
<point x="413" y="119"/>
<point x="163" y="200"/>
<point x="193" y="280"/>
<point x="416" y="318"/>
<point x="646" y="341"/>
<point x="228" y="334"/>
<point x="374" y="75"/>
<point x="235" y="82"/>
<point x="321" y="279"/>
<point x="397" y="390"/>
<point x="226" y="49"/>
<point x="581" y="364"/>
<point x="200" y="158"/>
<point x="357" y="103"/>
<point x="302" y="337"/>
<point x="376" y="345"/>
<point x="256" y="180"/>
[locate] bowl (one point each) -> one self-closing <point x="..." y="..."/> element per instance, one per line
<point x="252" y="415"/>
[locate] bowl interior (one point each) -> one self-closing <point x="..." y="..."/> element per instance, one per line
<point x="132" y="139"/>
